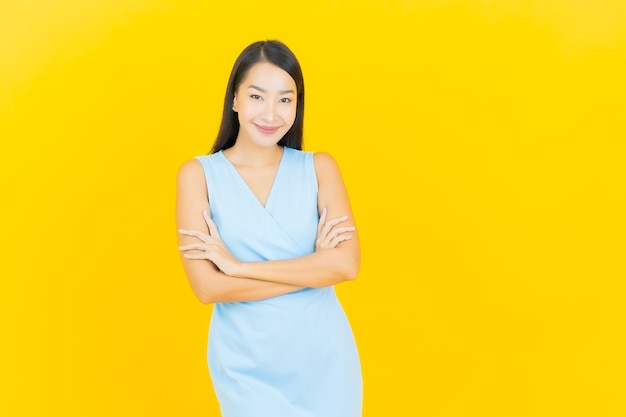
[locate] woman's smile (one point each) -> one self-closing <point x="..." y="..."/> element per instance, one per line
<point x="266" y="130"/>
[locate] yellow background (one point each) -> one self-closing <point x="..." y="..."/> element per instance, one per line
<point x="482" y="143"/>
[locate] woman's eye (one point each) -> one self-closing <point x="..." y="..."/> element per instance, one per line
<point x="285" y="100"/>
<point x="255" y="96"/>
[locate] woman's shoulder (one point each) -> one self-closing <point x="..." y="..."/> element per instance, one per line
<point x="197" y="165"/>
<point x="190" y="169"/>
<point x="210" y="157"/>
<point x="324" y="160"/>
<point x="317" y="156"/>
<point x="326" y="167"/>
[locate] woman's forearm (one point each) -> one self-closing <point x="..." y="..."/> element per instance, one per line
<point x="320" y="269"/>
<point x="212" y="286"/>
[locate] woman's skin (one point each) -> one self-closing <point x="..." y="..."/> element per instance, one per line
<point x="266" y="106"/>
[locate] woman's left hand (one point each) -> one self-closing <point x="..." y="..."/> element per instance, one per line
<point x="328" y="235"/>
<point x="210" y="247"/>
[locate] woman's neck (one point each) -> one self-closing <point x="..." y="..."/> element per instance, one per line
<point x="250" y="155"/>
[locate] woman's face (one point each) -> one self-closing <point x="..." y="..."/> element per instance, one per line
<point x="265" y="103"/>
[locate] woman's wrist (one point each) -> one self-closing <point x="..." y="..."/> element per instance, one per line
<point x="240" y="270"/>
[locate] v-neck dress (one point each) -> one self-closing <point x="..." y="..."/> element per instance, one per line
<point x="292" y="355"/>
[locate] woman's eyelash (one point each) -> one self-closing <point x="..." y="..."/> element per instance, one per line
<point x="258" y="97"/>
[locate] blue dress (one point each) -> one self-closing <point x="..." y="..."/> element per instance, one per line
<point x="292" y="355"/>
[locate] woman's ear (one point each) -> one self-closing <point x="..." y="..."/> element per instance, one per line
<point x="235" y="103"/>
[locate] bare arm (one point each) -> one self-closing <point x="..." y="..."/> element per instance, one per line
<point x="337" y="262"/>
<point x="208" y="283"/>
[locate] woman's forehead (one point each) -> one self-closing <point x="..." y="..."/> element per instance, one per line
<point x="268" y="77"/>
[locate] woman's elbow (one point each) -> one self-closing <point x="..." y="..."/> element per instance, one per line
<point x="204" y="285"/>
<point x="205" y="299"/>
<point x="204" y="294"/>
<point x="351" y="263"/>
<point x="352" y="273"/>
<point x="350" y="269"/>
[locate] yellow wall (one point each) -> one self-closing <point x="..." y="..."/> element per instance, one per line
<point x="482" y="143"/>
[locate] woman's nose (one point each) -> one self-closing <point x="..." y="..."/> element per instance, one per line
<point x="269" y="112"/>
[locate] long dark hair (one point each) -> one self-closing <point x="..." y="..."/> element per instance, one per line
<point x="274" y="52"/>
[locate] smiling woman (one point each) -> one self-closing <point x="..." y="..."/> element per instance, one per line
<point x="497" y="289"/>
<point x="269" y="110"/>
<point x="266" y="231"/>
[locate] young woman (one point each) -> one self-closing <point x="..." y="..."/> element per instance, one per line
<point x="265" y="232"/>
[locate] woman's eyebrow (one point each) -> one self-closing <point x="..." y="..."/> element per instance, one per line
<point x="265" y="91"/>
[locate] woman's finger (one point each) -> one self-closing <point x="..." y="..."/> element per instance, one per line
<point x="333" y="239"/>
<point x="332" y="223"/>
<point x="345" y="229"/>
<point x="211" y="224"/>
<point x="199" y="255"/>
<point x="328" y="235"/>
<point x="193" y="246"/>
<point x="196" y="233"/>
<point x="338" y="239"/>
<point x="322" y="221"/>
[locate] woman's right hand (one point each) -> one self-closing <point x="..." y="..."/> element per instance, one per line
<point x="328" y="235"/>
<point x="209" y="246"/>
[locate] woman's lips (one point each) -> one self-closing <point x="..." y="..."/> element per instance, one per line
<point x="267" y="130"/>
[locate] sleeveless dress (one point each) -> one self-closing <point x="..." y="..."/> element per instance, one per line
<point x="292" y="355"/>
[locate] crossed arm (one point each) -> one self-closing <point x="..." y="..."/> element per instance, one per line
<point x="216" y="275"/>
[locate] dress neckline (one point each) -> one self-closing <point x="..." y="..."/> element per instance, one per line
<point x="247" y="187"/>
